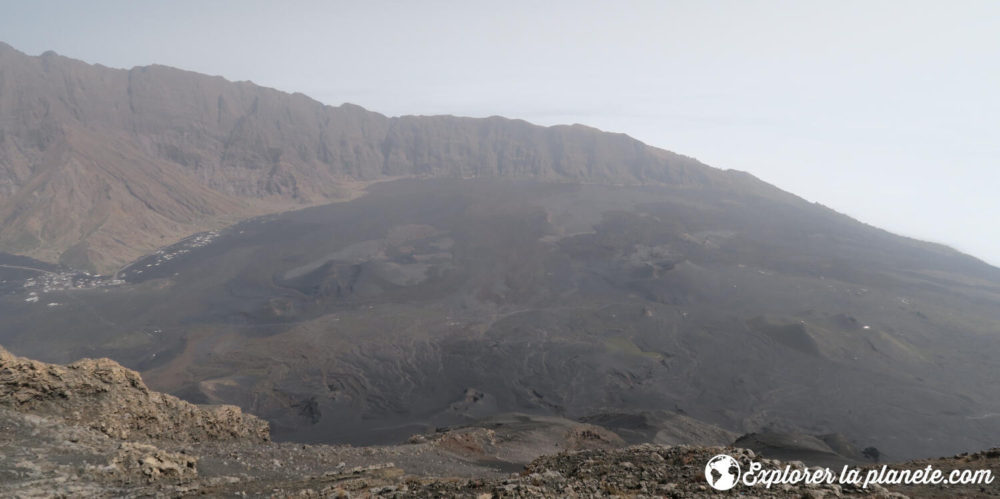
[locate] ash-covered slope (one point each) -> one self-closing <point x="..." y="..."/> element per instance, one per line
<point x="441" y="302"/>
<point x="99" y="165"/>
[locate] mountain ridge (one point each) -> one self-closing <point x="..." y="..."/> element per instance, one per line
<point x="172" y="152"/>
<point x="508" y="268"/>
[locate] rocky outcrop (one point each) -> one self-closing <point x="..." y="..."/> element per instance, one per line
<point x="103" y="395"/>
<point x="146" y="462"/>
<point x="639" y="471"/>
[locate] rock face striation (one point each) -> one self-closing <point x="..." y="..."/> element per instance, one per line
<point x="99" y="166"/>
<point x="102" y="395"/>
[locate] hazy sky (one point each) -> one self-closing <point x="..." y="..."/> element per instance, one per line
<point x="887" y="111"/>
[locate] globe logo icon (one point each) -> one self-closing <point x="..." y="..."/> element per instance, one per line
<point x="722" y="472"/>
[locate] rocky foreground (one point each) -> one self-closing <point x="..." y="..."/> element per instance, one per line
<point x="93" y="429"/>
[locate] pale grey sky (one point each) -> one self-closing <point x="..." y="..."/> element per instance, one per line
<point x="888" y="111"/>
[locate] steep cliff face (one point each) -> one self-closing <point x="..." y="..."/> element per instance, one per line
<point x="99" y="165"/>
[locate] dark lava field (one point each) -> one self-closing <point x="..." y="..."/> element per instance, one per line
<point x="437" y="302"/>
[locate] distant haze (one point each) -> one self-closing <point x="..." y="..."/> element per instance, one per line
<point x="886" y="111"/>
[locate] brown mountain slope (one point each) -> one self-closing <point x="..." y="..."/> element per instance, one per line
<point x="99" y="165"/>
